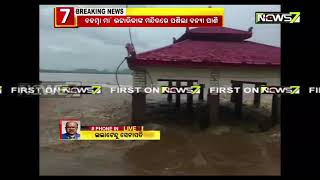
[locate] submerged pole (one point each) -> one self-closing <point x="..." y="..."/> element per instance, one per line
<point x="189" y="96"/>
<point x="178" y="84"/>
<point x="169" y="98"/>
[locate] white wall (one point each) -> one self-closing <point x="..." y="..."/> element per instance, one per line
<point x="269" y="75"/>
<point x="226" y="74"/>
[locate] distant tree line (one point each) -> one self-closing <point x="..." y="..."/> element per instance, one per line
<point x="87" y="71"/>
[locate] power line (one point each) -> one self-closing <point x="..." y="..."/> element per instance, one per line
<point x="130" y="35"/>
<point x="130" y="31"/>
<point x="118" y="70"/>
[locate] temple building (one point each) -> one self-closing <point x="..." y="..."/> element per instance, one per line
<point x="204" y="56"/>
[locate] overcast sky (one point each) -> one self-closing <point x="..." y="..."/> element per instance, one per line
<point x="104" y="48"/>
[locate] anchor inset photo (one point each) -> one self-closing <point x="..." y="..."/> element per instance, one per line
<point x="200" y="87"/>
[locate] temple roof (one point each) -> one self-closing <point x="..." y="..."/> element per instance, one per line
<point x="211" y="47"/>
<point x="216" y="33"/>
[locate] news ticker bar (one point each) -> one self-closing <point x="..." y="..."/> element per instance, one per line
<point x="76" y="89"/>
<point x="72" y="17"/>
<point x="119" y="135"/>
<point x="112" y="128"/>
<point x="104" y="132"/>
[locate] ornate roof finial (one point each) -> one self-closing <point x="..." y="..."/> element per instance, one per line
<point x="130" y="49"/>
<point x="250" y="29"/>
<point x="174" y="40"/>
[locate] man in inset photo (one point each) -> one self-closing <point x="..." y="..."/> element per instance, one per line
<point x="71" y="128"/>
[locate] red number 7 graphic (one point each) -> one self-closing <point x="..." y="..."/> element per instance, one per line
<point x="64" y="17"/>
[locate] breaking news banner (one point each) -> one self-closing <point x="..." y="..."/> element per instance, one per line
<point x="70" y="130"/>
<point x="72" y="17"/>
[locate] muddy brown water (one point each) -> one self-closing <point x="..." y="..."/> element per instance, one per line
<point x="185" y="148"/>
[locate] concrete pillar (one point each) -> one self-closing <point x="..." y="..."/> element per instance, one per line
<point x="213" y="107"/>
<point x="169" y="98"/>
<point x="201" y="92"/>
<point x="276" y="107"/>
<point x="238" y="100"/>
<point x="178" y="84"/>
<point x="234" y="94"/>
<point x="189" y="96"/>
<point x="257" y="96"/>
<point x="138" y="108"/>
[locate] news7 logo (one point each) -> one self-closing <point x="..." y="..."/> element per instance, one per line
<point x="64" y="17"/>
<point x="277" y="17"/>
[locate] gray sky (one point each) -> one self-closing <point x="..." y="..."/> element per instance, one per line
<point x="104" y="48"/>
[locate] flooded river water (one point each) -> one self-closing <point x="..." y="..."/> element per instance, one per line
<point x="231" y="147"/>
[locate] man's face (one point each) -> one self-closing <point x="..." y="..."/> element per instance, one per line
<point x="71" y="128"/>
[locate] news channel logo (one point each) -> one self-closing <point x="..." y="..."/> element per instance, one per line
<point x="280" y="90"/>
<point x="183" y="90"/>
<point x="277" y="17"/>
<point x="70" y="129"/>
